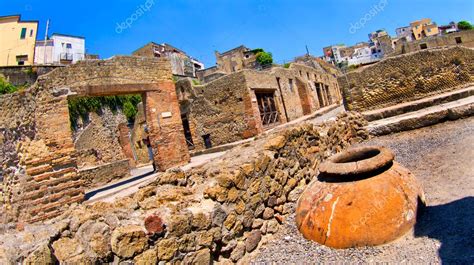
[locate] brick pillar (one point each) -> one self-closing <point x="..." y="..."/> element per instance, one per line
<point x="252" y="116"/>
<point x="166" y="133"/>
<point x="53" y="180"/>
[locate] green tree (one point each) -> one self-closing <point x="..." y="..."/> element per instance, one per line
<point x="264" y="58"/>
<point x="464" y="25"/>
<point x="129" y="110"/>
<point x="6" y="88"/>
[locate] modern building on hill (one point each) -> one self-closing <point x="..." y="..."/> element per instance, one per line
<point x="424" y="28"/>
<point x="17" y="43"/>
<point x="181" y="63"/>
<point x="60" y="49"/>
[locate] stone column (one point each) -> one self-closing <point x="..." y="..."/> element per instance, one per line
<point x="166" y="133"/>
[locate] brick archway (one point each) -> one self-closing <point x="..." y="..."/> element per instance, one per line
<point x="44" y="177"/>
<point x="162" y="114"/>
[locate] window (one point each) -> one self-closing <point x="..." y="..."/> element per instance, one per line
<point x="31" y="33"/>
<point x="290" y="84"/>
<point x="301" y="74"/>
<point x="68" y="45"/>
<point x="21" y="59"/>
<point x="458" y="40"/>
<point x="23" y="33"/>
<point x="429" y="30"/>
<point x="423" y="46"/>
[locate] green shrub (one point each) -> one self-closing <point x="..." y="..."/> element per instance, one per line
<point x="129" y="110"/>
<point x="6" y="88"/>
<point x="464" y="25"/>
<point x="286" y="65"/>
<point x="196" y="82"/>
<point x="81" y="107"/>
<point x="264" y="58"/>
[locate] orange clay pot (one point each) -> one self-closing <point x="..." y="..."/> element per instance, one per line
<point x="361" y="197"/>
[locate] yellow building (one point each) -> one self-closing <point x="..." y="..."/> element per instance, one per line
<point x="424" y="28"/>
<point x="17" y="41"/>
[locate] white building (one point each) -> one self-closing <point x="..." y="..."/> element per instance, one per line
<point x="365" y="55"/>
<point x="60" y="49"/>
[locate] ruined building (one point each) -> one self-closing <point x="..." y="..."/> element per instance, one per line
<point x="246" y="103"/>
<point x="231" y="61"/>
<point x="39" y="159"/>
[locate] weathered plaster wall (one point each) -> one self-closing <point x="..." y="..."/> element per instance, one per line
<point x="407" y="77"/>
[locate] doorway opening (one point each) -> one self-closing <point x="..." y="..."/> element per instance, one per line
<point x="269" y="114"/>
<point x="187" y="132"/>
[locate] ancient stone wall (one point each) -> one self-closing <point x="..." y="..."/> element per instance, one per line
<point x="407" y="77"/>
<point x="24" y="75"/>
<point x="217" y="212"/>
<point x="138" y="134"/>
<point x="17" y="125"/>
<point x="100" y="136"/>
<point x="220" y="110"/>
<point x="105" y="173"/>
<point x="40" y="159"/>
<point x="227" y="108"/>
<point x="465" y="38"/>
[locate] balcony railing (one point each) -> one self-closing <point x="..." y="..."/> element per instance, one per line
<point x="66" y="56"/>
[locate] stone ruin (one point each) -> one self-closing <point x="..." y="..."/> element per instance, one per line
<point x="407" y="77"/>
<point x="219" y="211"/>
<point x="39" y="162"/>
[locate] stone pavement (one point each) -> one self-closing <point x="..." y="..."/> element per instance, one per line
<point x="425" y="117"/>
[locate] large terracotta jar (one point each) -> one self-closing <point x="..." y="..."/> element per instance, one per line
<point x="361" y="197"/>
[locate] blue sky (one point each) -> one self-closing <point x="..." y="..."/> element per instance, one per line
<point x="200" y="27"/>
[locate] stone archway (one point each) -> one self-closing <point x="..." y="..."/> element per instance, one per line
<point x="44" y="176"/>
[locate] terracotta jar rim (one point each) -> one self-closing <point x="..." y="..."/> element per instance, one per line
<point x="358" y="160"/>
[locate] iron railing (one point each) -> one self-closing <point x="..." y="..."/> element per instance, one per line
<point x="270" y="118"/>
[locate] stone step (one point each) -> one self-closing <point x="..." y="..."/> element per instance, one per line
<point x="425" y="117"/>
<point x="418" y="104"/>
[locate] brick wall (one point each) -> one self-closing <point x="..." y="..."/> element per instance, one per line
<point x="407" y="77"/>
<point x="39" y="153"/>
